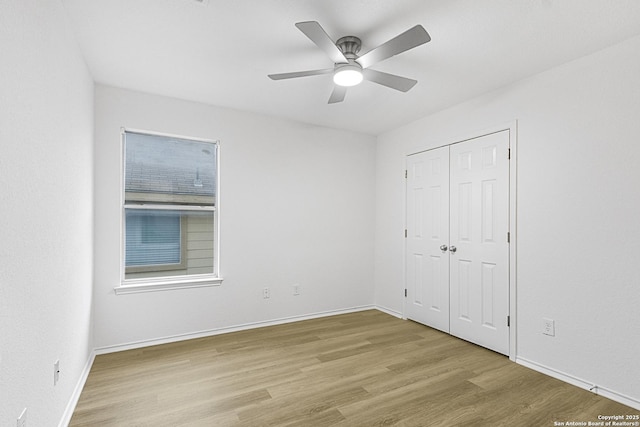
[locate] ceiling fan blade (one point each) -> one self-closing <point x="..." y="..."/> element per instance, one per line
<point x="402" y="84"/>
<point x="316" y="34"/>
<point x="338" y="94"/>
<point x="408" y="40"/>
<point x="293" y="75"/>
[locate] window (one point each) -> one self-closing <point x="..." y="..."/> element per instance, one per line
<point x="154" y="241"/>
<point x="169" y="212"/>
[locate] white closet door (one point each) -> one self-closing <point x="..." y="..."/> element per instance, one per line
<point x="479" y="251"/>
<point x="427" y="262"/>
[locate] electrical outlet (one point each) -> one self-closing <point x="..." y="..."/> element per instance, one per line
<point x="549" y="327"/>
<point x="22" y="419"/>
<point x="56" y="372"/>
<point x="296" y="289"/>
<point x="266" y="293"/>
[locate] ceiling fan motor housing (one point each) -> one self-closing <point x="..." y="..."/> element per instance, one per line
<point x="349" y="46"/>
<point x="350" y="73"/>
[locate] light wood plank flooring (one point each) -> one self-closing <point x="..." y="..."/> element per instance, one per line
<point x="361" y="369"/>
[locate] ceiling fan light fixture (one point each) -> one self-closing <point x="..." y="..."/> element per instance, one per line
<point x="348" y="75"/>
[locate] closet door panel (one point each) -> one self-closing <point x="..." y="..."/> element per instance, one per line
<point x="479" y="251"/>
<point x="427" y="210"/>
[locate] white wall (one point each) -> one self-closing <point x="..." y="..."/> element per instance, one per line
<point x="296" y="208"/>
<point x="46" y="205"/>
<point x="578" y="211"/>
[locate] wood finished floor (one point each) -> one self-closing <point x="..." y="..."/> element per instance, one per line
<point x="361" y="369"/>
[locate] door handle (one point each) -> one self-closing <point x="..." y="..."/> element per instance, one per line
<point x="443" y="248"/>
<point x="453" y="249"/>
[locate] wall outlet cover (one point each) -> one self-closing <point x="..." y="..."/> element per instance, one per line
<point x="549" y="327"/>
<point x="22" y="419"/>
<point x="56" y="372"/>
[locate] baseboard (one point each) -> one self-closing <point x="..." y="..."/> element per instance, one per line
<point x="225" y="330"/>
<point x="389" y="311"/>
<point x="73" y="401"/>
<point x="578" y="382"/>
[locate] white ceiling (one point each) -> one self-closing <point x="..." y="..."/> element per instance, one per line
<point x="219" y="52"/>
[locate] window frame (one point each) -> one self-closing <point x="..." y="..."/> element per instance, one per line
<point x="151" y="284"/>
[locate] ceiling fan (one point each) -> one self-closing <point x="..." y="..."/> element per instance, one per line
<point x="350" y="69"/>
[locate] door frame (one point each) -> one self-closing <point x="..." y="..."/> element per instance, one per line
<point x="512" y="127"/>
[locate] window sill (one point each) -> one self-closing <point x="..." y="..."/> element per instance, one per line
<point x="164" y="284"/>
